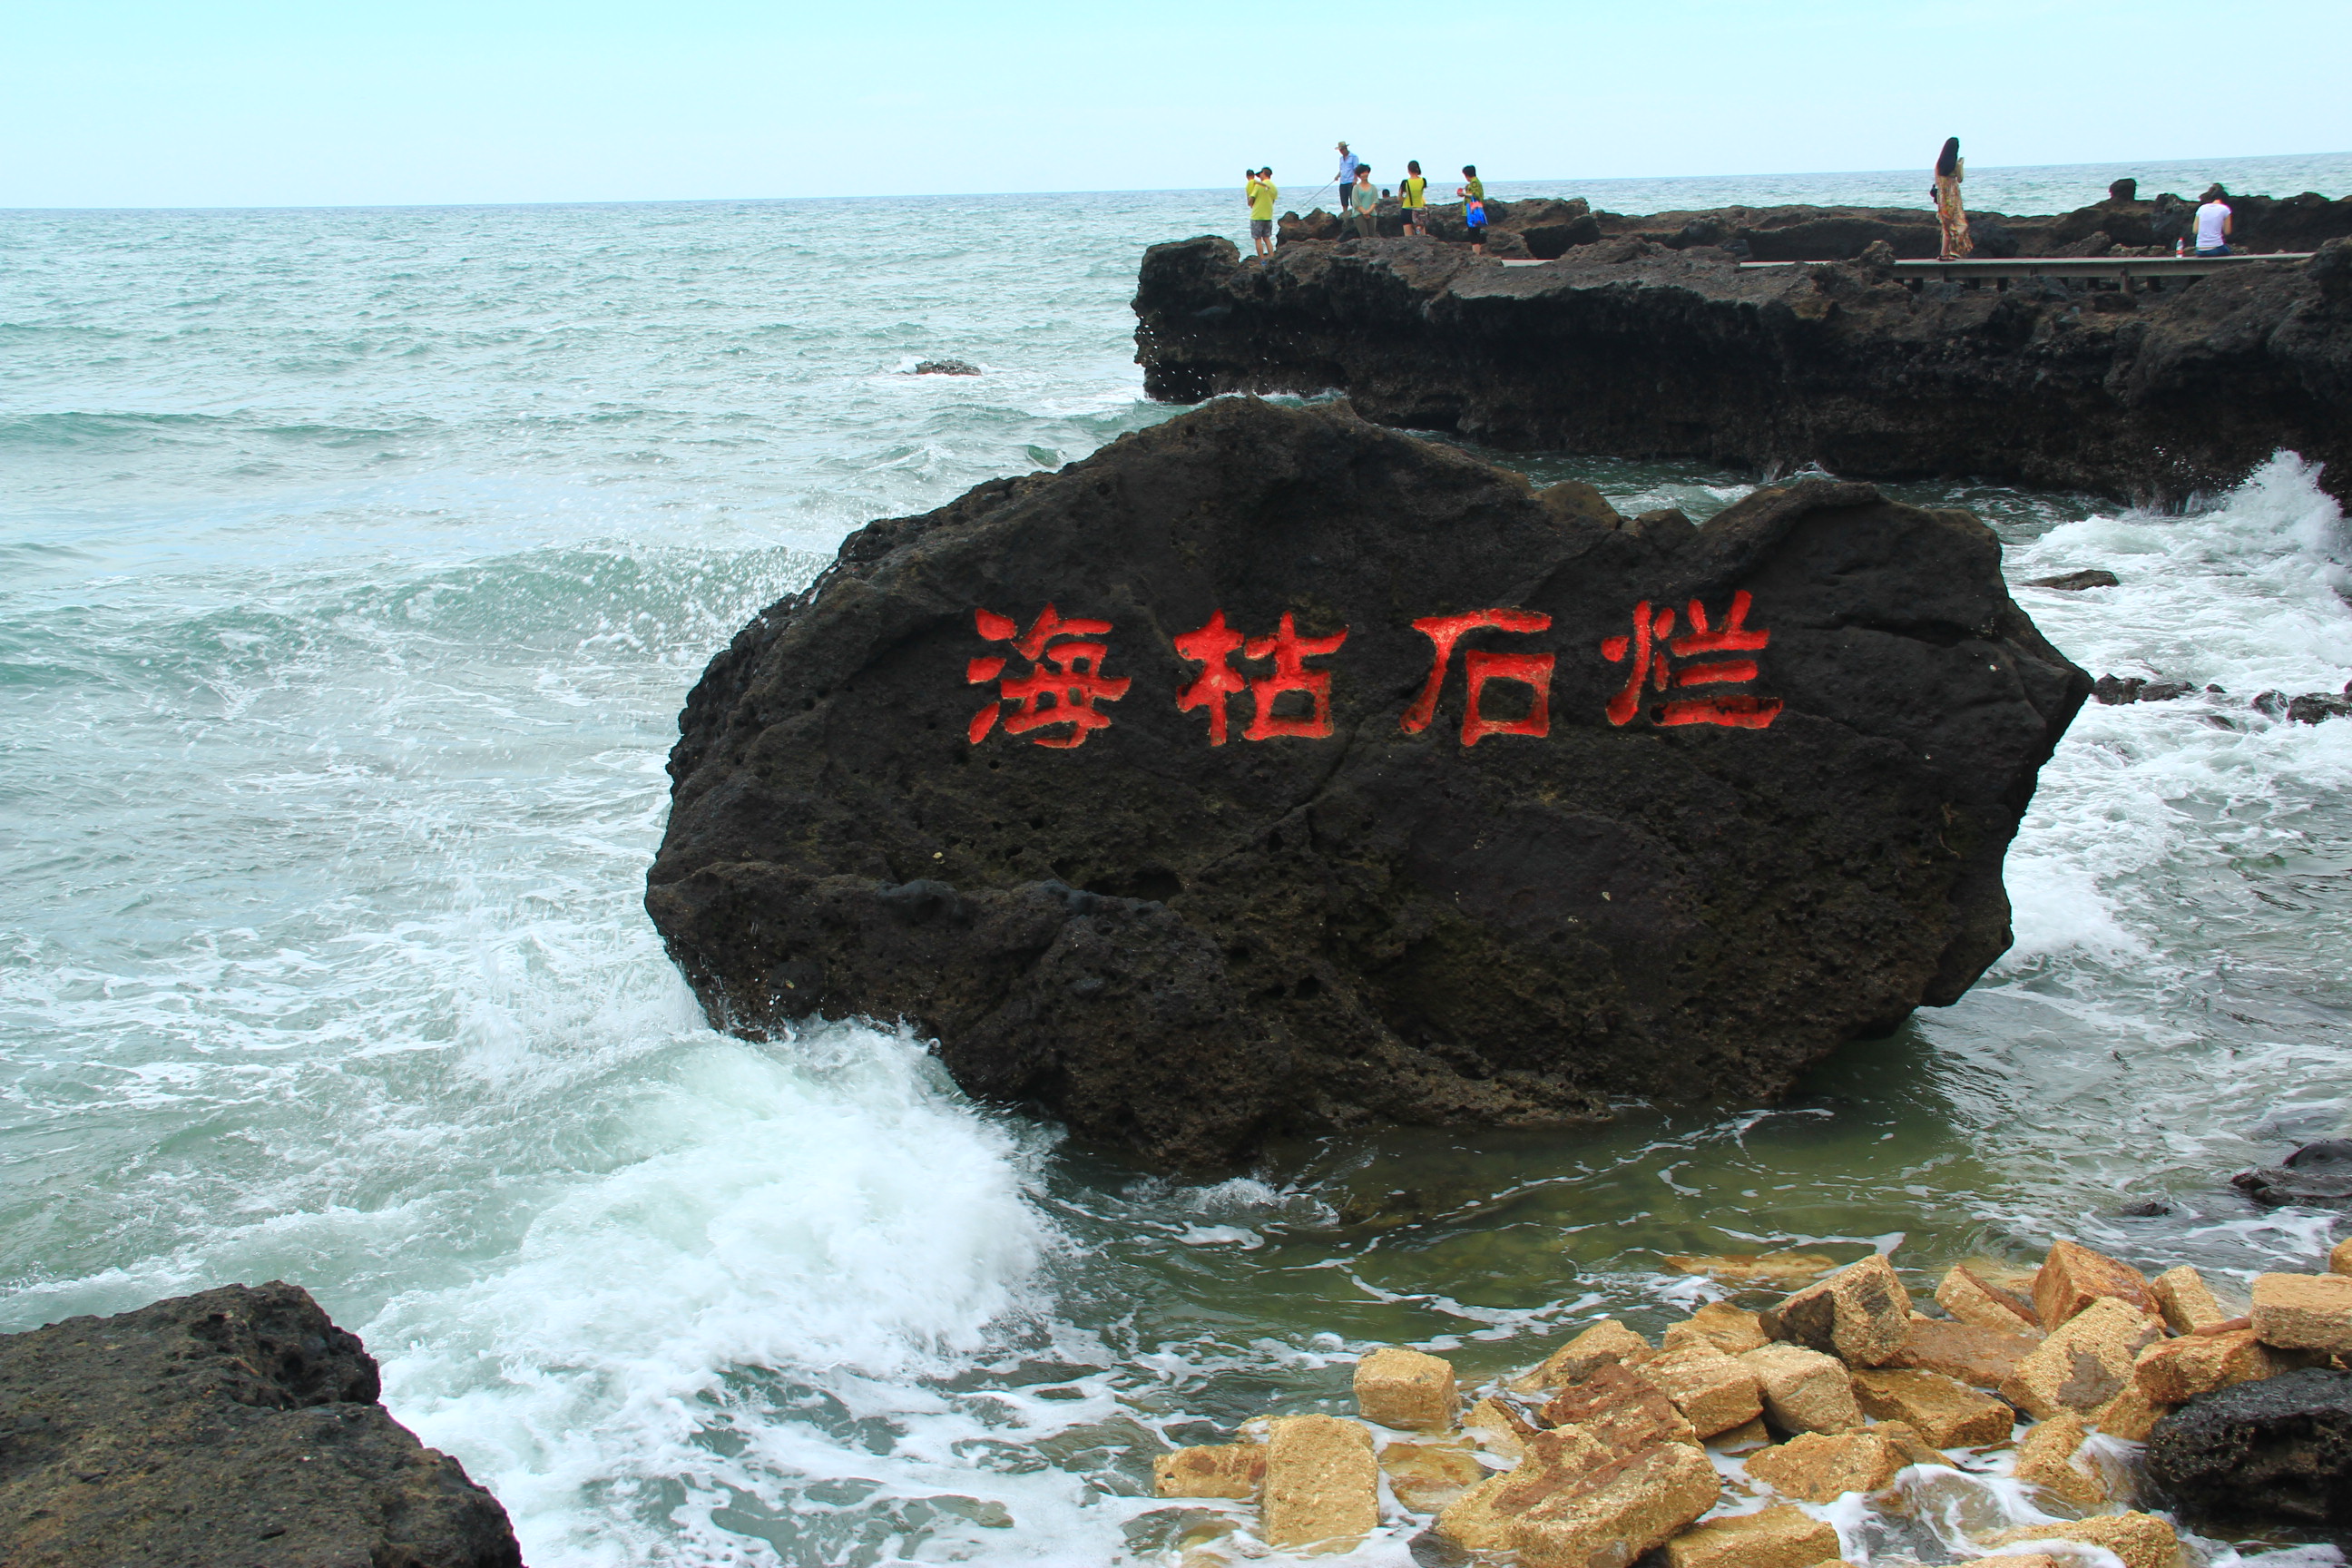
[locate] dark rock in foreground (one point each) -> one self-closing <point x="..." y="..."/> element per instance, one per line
<point x="2318" y="1176"/>
<point x="1633" y="349"/>
<point x="1378" y="899"/>
<point x="2280" y="1448"/>
<point x="237" y="1426"/>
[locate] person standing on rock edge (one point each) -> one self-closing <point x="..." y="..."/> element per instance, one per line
<point x="1412" y="196"/>
<point x="1364" y="204"/>
<point x="1951" y="218"/>
<point x="1473" y="213"/>
<point x="1262" y="195"/>
<point x="1346" y="178"/>
<point x="2214" y="222"/>
<point x="1471" y="184"/>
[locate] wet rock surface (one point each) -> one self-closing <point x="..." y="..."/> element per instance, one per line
<point x="1636" y="349"/>
<point x="236" y="1427"/>
<point x="1380" y="908"/>
<point x="2317" y="1174"/>
<point x="2279" y="1448"/>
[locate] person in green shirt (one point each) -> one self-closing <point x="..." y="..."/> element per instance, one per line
<point x="1474" y="186"/>
<point x="1413" y="195"/>
<point x="1262" y="194"/>
<point x="1364" y="203"/>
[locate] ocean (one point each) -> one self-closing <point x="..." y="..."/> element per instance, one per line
<point x="354" y="567"/>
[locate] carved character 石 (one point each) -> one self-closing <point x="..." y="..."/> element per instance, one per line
<point x="1479" y="667"/>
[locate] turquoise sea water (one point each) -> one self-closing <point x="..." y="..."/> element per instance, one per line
<point x="354" y="565"/>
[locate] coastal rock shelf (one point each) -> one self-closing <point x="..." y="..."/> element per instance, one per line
<point x="1631" y="348"/>
<point x="233" y="1428"/>
<point x="1270" y="772"/>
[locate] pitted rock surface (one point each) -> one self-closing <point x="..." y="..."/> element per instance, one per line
<point x="236" y="1426"/>
<point x="2278" y="1448"/>
<point x="1183" y="949"/>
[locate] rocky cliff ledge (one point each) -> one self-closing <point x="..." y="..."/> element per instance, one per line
<point x="1634" y="349"/>
<point x="1271" y="772"/>
<point x="222" y="1430"/>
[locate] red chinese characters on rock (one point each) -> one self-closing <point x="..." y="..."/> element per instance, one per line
<point x="1063" y="687"/>
<point x="1211" y="648"/>
<point x="1478" y="668"/>
<point x="1653" y="650"/>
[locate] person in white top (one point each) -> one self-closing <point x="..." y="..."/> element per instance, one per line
<point x="2213" y="224"/>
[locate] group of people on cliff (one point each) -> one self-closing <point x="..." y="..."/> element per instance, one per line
<point x="1360" y="200"/>
<point x="2214" y="224"/>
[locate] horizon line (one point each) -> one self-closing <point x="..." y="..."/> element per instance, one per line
<point x="1119" y="191"/>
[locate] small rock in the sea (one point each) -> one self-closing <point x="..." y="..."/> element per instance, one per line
<point x="1425" y="1477"/>
<point x="2075" y="582"/>
<point x="1804" y="1391"/>
<point x="1322" y="1483"/>
<point x="2115" y="691"/>
<point x="2317" y="1174"/>
<point x="2146" y="1208"/>
<point x="1861" y="1314"/>
<point x="2313" y="707"/>
<point x="1971" y="1298"/>
<point x="2185" y="1300"/>
<point x="1719" y="1323"/>
<point x="2074" y="1277"/>
<point x="2084" y="1363"/>
<point x="1978" y="1356"/>
<point x="1946" y="1412"/>
<point x="947" y="367"/>
<point x="2304" y="1311"/>
<point x="2280" y="1448"/>
<point x="1785" y="1270"/>
<point x="1821" y="1467"/>
<point x="1618" y="1409"/>
<point x="1605" y="1342"/>
<point x="2174" y="1372"/>
<point x="1714" y="1392"/>
<point x="2050" y="1457"/>
<point x="1406" y="1389"/>
<point x="1218" y="1470"/>
<point x="1781" y="1536"/>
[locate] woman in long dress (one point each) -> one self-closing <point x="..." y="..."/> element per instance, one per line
<point x="1951" y="215"/>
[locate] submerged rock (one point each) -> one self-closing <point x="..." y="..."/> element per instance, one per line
<point x="2280" y="1448"/>
<point x="946" y="367"/>
<point x="1387" y="787"/>
<point x="2075" y="582"/>
<point x="2319" y="1175"/>
<point x="236" y="1427"/>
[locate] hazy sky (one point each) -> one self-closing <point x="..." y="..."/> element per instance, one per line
<point x="107" y="103"/>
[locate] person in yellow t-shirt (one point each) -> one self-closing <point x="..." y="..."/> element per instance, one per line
<point x="1412" y="196"/>
<point x="1261" y="193"/>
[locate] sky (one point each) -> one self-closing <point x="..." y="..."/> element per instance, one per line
<point x="111" y="103"/>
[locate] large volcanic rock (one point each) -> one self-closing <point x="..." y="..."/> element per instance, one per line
<point x="1185" y="947"/>
<point x="237" y="1426"/>
<point x="1634" y="349"/>
<point x="2280" y="1448"/>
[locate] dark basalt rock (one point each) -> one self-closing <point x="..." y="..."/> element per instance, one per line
<point x="2115" y="691"/>
<point x="1183" y="949"/>
<point x="236" y="1426"/>
<point x="2280" y="1449"/>
<point x="1630" y="347"/>
<point x="2075" y="582"/>
<point x="946" y="367"/>
<point x="2319" y="1175"/>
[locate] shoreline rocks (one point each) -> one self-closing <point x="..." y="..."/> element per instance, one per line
<point x="1614" y="1447"/>
<point x="1365" y="784"/>
<point x="233" y="1427"/>
<point x="1631" y="348"/>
